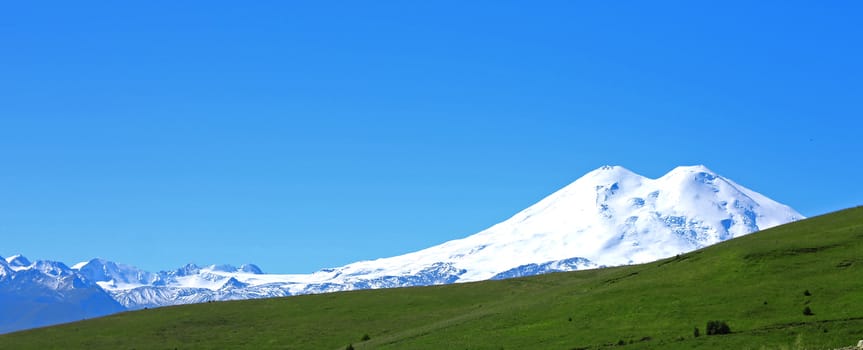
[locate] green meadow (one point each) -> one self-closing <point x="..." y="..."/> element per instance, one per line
<point x="760" y="285"/>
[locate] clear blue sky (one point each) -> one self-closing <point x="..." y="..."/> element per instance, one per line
<point x="307" y="135"/>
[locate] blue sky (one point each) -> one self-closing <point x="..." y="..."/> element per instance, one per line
<point x="307" y="135"/>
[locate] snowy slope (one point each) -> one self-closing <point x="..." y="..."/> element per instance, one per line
<point x="610" y="216"/>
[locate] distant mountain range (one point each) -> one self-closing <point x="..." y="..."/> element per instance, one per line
<point x="45" y="292"/>
<point x="611" y="216"/>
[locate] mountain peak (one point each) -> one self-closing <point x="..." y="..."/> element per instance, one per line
<point x="696" y="178"/>
<point x="96" y="261"/>
<point x="233" y="283"/>
<point x="186" y="270"/>
<point x="95" y="264"/>
<point x="607" y="175"/>
<point x="222" y="268"/>
<point x="18" y="261"/>
<point x="5" y="270"/>
<point x="246" y="268"/>
<point x="610" y="170"/>
<point x="52" y="268"/>
<point x="251" y="268"/>
<point x="102" y="270"/>
<point x="690" y="169"/>
<point x="611" y="216"/>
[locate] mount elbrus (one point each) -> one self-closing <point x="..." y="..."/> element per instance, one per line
<point x="610" y="216"/>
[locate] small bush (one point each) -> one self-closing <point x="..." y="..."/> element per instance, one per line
<point x="365" y="337"/>
<point x="350" y="347"/>
<point x="807" y="311"/>
<point x="717" y="327"/>
<point x="806" y="293"/>
<point x="696" y="333"/>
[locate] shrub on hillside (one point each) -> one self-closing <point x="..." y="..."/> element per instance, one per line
<point x="717" y="327"/>
<point x="807" y="311"/>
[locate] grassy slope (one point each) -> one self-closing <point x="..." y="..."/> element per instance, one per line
<point x="755" y="283"/>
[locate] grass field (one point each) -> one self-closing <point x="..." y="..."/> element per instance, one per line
<point x="757" y="284"/>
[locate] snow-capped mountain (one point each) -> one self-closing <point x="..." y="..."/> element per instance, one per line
<point x="43" y="293"/>
<point x="610" y="216"/>
<point x="108" y="274"/>
<point x="135" y="289"/>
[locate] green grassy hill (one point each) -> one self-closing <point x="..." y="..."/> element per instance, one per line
<point x="758" y="284"/>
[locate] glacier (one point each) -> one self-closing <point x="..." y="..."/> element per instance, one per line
<point x="608" y="217"/>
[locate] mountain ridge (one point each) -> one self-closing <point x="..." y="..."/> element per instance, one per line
<point x="610" y="216"/>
